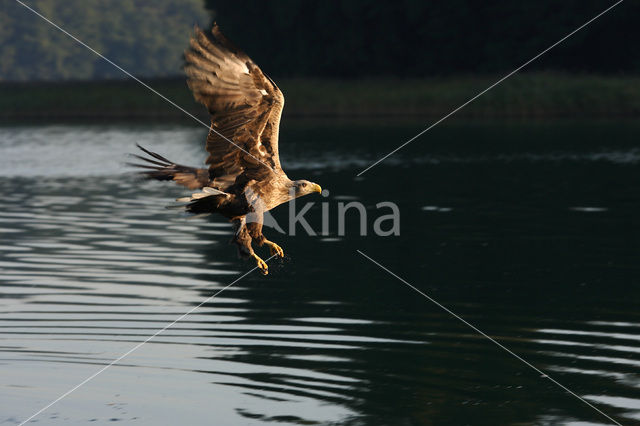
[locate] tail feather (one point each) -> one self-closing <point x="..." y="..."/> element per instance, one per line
<point x="206" y="192"/>
<point x="204" y="204"/>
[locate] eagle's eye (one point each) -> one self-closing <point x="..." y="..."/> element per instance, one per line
<point x="304" y="184"/>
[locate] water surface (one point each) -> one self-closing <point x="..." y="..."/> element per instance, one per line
<point x="528" y="231"/>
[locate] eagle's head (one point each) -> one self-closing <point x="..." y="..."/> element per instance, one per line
<point x="303" y="187"/>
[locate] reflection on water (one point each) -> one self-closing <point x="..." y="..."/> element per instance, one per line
<point x="537" y="249"/>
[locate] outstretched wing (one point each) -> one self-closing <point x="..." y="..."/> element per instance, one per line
<point x="245" y="107"/>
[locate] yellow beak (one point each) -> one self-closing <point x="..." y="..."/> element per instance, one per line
<point x="317" y="188"/>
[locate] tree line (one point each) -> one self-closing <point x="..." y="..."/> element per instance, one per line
<point x="145" y="37"/>
<point x="313" y="38"/>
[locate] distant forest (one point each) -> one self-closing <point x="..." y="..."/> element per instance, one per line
<point x="313" y="38"/>
<point x="145" y="37"/>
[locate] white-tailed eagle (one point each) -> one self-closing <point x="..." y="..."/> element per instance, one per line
<point x="244" y="178"/>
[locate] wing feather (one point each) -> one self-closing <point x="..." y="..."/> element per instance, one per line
<point x="245" y="107"/>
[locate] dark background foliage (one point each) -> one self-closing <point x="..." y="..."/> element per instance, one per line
<point x="346" y="39"/>
<point x="411" y="38"/>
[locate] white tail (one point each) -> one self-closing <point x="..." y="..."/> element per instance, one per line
<point x="206" y="192"/>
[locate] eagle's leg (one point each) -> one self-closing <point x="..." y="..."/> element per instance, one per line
<point x="255" y="230"/>
<point x="243" y="240"/>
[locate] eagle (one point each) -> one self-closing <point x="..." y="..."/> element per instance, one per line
<point x="244" y="178"/>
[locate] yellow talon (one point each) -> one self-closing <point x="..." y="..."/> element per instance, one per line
<point x="261" y="264"/>
<point x="274" y="249"/>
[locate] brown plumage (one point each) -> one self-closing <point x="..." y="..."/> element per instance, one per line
<point x="244" y="175"/>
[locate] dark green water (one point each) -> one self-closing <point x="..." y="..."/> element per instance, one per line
<point x="530" y="232"/>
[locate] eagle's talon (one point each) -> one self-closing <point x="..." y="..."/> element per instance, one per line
<point x="274" y="249"/>
<point x="261" y="264"/>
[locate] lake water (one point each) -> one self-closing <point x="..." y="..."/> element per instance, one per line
<point x="531" y="232"/>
